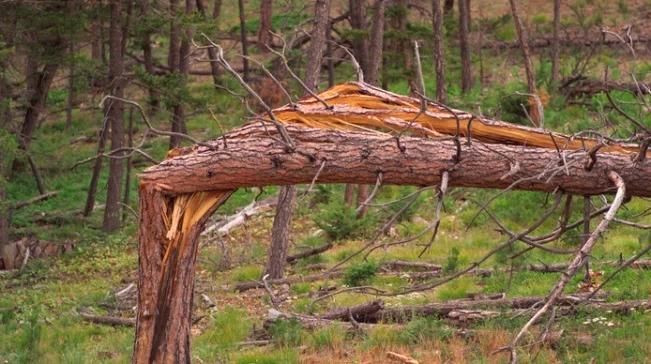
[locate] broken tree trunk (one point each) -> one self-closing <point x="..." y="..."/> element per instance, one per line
<point x="256" y="157"/>
<point x="350" y="134"/>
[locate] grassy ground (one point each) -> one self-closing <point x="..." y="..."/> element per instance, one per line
<point x="39" y="322"/>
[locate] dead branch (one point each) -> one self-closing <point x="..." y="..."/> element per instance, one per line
<point x="107" y="320"/>
<point x="576" y="263"/>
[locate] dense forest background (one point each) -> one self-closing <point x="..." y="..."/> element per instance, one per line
<point x="93" y="92"/>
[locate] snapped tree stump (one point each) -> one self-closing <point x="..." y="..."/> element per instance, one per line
<point x="351" y="134"/>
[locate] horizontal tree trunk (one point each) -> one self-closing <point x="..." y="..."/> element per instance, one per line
<point x="256" y="157"/>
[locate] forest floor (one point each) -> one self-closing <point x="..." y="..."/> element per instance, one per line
<point x="40" y="305"/>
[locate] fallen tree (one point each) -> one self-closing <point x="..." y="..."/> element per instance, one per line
<point x="352" y="133"/>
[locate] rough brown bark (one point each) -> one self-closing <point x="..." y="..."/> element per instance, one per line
<point x="182" y="61"/>
<point x="167" y="257"/>
<point x="448" y="6"/>
<point x="317" y="43"/>
<point x="357" y="16"/>
<point x="280" y="232"/>
<point x="243" y="40"/>
<point x="95" y="35"/>
<point x="148" y="57"/>
<point x="212" y="53"/>
<point x="376" y="44"/>
<point x="253" y="160"/>
<point x="555" y="76"/>
<point x="115" y="117"/>
<point x="71" y="89"/>
<point x="528" y="66"/>
<point x="464" y="45"/>
<point x="264" y="37"/>
<point x="439" y="60"/>
<point x="372" y="75"/>
<point x="38" y="85"/>
<point x="97" y="168"/>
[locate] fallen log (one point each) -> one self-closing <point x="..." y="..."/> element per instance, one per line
<point x="108" y="320"/>
<point x="309" y="253"/>
<point x="574" y="88"/>
<point x="357" y="313"/>
<point x="402" y="265"/>
<point x="566" y="305"/>
<point x="253" y="159"/>
<point x="223" y="227"/>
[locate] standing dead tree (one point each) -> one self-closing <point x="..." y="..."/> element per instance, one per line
<point x="352" y="127"/>
<point x="536" y="110"/>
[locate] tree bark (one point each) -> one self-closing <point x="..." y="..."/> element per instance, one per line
<point x="38" y="86"/>
<point x="254" y="160"/>
<point x="528" y="66"/>
<point x="97" y="167"/>
<point x="448" y="6"/>
<point x="376" y="44"/>
<point x="71" y="88"/>
<point x="439" y="60"/>
<point x="357" y="16"/>
<point x="212" y="53"/>
<point x="166" y="276"/>
<point x="183" y="67"/>
<point x="115" y="119"/>
<point x="371" y="74"/>
<point x="147" y="54"/>
<point x="243" y="40"/>
<point x="555" y="76"/>
<point x="317" y="43"/>
<point x="264" y="37"/>
<point x="280" y="233"/>
<point x="464" y="45"/>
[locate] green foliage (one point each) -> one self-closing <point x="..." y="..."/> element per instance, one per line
<point x="286" y="332"/>
<point x="340" y="221"/>
<point x="422" y="329"/>
<point x="452" y="261"/>
<point x="327" y="338"/>
<point x="227" y="328"/>
<point x="360" y="273"/>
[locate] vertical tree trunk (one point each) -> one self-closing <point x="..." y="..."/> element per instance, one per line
<point x="243" y="40"/>
<point x="464" y="45"/>
<point x="439" y="61"/>
<point x="264" y="37"/>
<point x="280" y="233"/>
<point x="357" y="16"/>
<point x="176" y="61"/>
<point x="448" y="6"/>
<point x="71" y="88"/>
<point x="38" y="86"/>
<point x="166" y="280"/>
<point x="127" y="178"/>
<point x="372" y="73"/>
<point x="115" y="118"/>
<point x="528" y="67"/>
<point x="217" y="9"/>
<point x="283" y="220"/>
<point x="555" y="43"/>
<point x="212" y="54"/>
<point x="95" y="35"/>
<point x="329" y="54"/>
<point x="376" y="44"/>
<point x="154" y="100"/>
<point x="317" y="43"/>
<point x="97" y="167"/>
